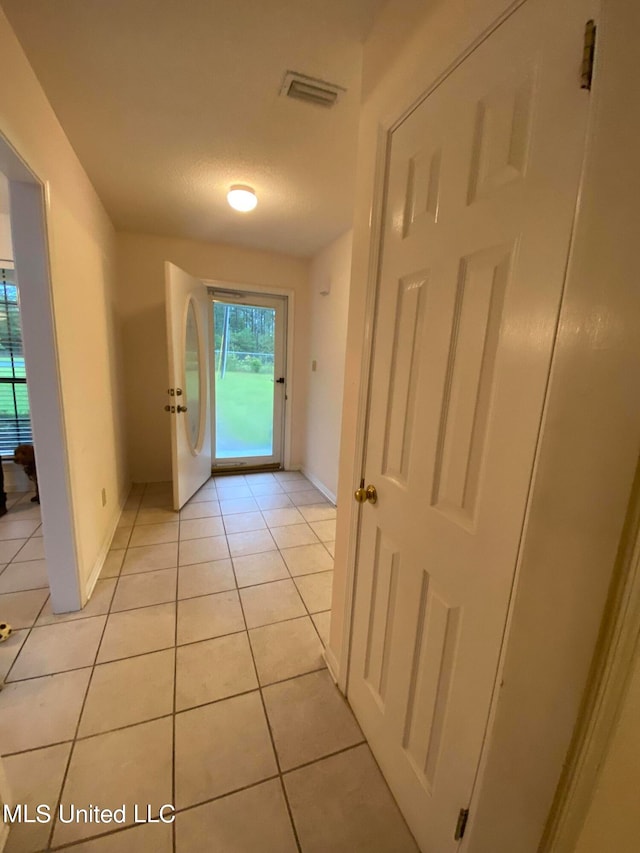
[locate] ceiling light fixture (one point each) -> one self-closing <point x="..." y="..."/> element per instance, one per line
<point x="242" y="198"/>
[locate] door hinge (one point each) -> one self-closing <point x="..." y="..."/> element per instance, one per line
<point x="588" y="54"/>
<point x="461" y="825"/>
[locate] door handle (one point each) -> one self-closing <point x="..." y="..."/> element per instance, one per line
<point x="280" y="381"/>
<point x="181" y="409"/>
<point x="363" y="495"/>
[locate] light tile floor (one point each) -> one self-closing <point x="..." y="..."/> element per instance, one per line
<point x="193" y="677"/>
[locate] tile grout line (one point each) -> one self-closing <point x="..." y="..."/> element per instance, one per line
<point x="54" y="823"/>
<point x="12" y="561"/>
<point x="119" y="577"/>
<point x="169" y="713"/>
<point x="266" y="714"/>
<point x="268" y="722"/>
<point x="174" y="712"/>
<point x="163" y="648"/>
<point x="77" y="729"/>
<point x="26" y="539"/>
<point x="29" y="630"/>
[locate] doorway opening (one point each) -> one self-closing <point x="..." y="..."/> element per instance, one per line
<point x="36" y="360"/>
<point x="248" y="380"/>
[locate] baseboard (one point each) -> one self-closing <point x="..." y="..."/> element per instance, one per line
<point x="332" y="664"/>
<point x="320" y="487"/>
<point x="102" y="554"/>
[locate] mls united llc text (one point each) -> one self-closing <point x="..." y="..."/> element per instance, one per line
<point x="43" y="813"/>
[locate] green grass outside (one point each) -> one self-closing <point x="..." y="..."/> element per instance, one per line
<point x="244" y="414"/>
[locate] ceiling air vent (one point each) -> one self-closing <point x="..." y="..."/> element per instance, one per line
<point x="309" y="89"/>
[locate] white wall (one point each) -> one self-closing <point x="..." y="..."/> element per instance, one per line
<point x="82" y="251"/>
<point x="142" y="308"/>
<point x="612" y="819"/>
<point x="588" y="456"/>
<point x="330" y="269"/>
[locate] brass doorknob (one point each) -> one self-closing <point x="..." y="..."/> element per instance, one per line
<point x="181" y="409"/>
<point x="363" y="495"/>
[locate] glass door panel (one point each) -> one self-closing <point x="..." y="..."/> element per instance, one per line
<point x="248" y="380"/>
<point x="193" y="378"/>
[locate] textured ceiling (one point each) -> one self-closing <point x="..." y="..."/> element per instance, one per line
<point x="168" y="102"/>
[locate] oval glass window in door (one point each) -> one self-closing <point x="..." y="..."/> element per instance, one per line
<point x="192" y="377"/>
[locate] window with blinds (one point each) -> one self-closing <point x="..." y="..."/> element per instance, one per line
<point x="15" y="423"/>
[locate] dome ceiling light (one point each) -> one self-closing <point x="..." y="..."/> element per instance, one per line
<point x="242" y="198"/>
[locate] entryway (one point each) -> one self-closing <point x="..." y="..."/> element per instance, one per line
<point x="244" y="428"/>
<point x="248" y="379"/>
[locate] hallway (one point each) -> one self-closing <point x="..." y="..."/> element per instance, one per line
<point x="195" y="677"/>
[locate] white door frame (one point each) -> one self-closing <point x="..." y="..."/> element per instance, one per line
<point x="617" y="26"/>
<point x="611" y="671"/>
<point x="289" y="294"/>
<point x="29" y="205"/>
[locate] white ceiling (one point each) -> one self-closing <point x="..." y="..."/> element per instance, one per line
<point x="168" y="102"/>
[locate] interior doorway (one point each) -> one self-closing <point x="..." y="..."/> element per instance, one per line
<point x="26" y="219"/>
<point x="248" y="379"/>
<point x="24" y="584"/>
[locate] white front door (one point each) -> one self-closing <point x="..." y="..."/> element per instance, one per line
<point x="481" y="190"/>
<point x="187" y="305"/>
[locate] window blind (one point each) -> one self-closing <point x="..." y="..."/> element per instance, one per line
<point x="15" y="422"/>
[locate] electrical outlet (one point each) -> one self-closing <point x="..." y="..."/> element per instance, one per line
<point x="104" y="497"/>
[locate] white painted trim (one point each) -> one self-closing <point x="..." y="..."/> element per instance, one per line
<point x="332" y="664"/>
<point x="102" y="553"/>
<point x="320" y="486"/>
<point x="376" y="218"/>
<point x="33" y="251"/>
<point x="609" y="681"/>
<point x="290" y="295"/>
<point x="394" y="119"/>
